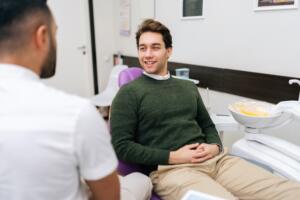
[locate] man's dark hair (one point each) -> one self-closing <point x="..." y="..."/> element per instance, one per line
<point x="15" y="15"/>
<point x="151" y="25"/>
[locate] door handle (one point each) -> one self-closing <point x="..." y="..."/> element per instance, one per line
<point x="82" y="49"/>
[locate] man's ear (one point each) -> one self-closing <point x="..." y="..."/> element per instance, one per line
<point x="169" y="52"/>
<point x="41" y="37"/>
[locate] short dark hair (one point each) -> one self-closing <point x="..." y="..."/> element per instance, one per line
<point x="150" y="25"/>
<point x="13" y="16"/>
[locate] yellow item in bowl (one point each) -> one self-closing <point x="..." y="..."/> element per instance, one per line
<point x="251" y="109"/>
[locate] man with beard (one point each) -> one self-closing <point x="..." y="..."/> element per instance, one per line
<point x="49" y="140"/>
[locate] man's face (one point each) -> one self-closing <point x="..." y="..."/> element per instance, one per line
<point x="49" y="64"/>
<point x="153" y="55"/>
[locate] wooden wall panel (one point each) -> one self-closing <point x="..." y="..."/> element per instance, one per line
<point x="265" y="87"/>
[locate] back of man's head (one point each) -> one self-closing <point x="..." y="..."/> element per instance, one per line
<point x="18" y="19"/>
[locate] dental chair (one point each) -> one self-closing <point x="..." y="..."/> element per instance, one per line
<point x="126" y="76"/>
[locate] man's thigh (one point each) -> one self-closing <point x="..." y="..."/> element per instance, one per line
<point x="248" y="181"/>
<point x="174" y="183"/>
<point x="135" y="186"/>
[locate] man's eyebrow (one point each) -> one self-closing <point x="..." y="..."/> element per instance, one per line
<point x="140" y="45"/>
<point x="153" y="44"/>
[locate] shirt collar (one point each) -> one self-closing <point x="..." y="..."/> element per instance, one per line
<point x="158" y="77"/>
<point x="17" y="72"/>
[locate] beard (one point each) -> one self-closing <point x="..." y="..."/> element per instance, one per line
<point x="49" y="65"/>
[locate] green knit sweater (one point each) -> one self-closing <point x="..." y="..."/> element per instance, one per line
<point x="151" y="117"/>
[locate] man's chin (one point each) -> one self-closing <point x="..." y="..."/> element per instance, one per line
<point x="149" y="70"/>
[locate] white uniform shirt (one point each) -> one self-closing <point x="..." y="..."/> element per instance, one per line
<point x="48" y="140"/>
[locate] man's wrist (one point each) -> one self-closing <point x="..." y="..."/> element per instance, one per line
<point x="172" y="157"/>
<point x="219" y="146"/>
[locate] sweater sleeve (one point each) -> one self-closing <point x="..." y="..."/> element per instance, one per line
<point x="206" y="124"/>
<point x="124" y="122"/>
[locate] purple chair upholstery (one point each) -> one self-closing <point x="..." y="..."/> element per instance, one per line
<point x="129" y="74"/>
<point x="126" y="76"/>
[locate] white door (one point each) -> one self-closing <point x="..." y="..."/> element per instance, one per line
<point x="74" y="73"/>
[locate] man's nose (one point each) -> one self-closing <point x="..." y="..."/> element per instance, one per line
<point x="149" y="53"/>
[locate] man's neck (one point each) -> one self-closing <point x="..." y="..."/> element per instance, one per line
<point x="20" y="62"/>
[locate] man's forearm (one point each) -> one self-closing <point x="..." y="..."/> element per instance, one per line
<point x="139" y="154"/>
<point x="105" y="188"/>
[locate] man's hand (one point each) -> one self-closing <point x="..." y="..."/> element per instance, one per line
<point x="183" y="155"/>
<point x="205" y="152"/>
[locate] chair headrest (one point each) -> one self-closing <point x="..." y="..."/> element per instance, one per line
<point x="105" y="98"/>
<point x="129" y="74"/>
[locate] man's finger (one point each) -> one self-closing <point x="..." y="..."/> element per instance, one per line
<point x="200" y="148"/>
<point x="200" y="154"/>
<point x="192" y="146"/>
<point x="202" y="145"/>
<point x="202" y="159"/>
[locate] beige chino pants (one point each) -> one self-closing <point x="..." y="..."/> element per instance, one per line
<point x="224" y="176"/>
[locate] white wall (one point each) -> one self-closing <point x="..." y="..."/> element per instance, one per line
<point x="232" y="35"/>
<point x="140" y="10"/>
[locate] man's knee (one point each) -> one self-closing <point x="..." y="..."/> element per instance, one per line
<point x="139" y="185"/>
